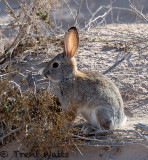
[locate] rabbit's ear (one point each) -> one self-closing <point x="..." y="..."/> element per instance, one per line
<point x="71" y="42"/>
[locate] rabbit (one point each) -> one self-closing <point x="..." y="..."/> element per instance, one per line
<point x="90" y="93"/>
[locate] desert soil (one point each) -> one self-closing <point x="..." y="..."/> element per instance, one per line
<point x="99" y="49"/>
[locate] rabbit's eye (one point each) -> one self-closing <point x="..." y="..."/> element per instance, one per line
<point x="55" y="65"/>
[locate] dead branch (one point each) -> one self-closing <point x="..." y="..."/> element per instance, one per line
<point x="118" y="62"/>
<point x="120" y="131"/>
<point x="92" y="19"/>
<point x="127" y="86"/>
<point x="75" y="22"/>
<point x="78" y="149"/>
<point x="10" y="10"/>
<point x="141" y="127"/>
<point x="139" y="13"/>
<point x="10" y="133"/>
<point x="111" y="138"/>
<point x="9" y="51"/>
<point x="109" y="153"/>
<point x="69" y="9"/>
<point x="88" y="8"/>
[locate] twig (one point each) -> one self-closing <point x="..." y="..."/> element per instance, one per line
<point x="79" y="150"/>
<point x="10" y="49"/>
<point x="107" y="132"/>
<point x="142" y="127"/>
<point x="117" y="63"/>
<point x="88" y="8"/>
<point x="75" y="22"/>
<point x="125" y="131"/>
<point x="109" y="153"/>
<point x="137" y="11"/>
<point x="100" y="145"/>
<point x="92" y="19"/>
<point x="111" y="139"/>
<point x="69" y="9"/>
<point x="144" y="93"/>
<point x="10" y="10"/>
<point x="18" y="86"/>
<point x="9" y="133"/>
<point x="2" y="75"/>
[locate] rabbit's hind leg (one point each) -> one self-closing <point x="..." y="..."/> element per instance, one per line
<point x="108" y="116"/>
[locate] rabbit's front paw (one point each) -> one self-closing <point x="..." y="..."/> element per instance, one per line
<point x="86" y="127"/>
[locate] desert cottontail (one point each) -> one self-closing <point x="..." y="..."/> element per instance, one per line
<point x="90" y="93"/>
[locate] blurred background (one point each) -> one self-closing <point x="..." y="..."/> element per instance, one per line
<point x="113" y="11"/>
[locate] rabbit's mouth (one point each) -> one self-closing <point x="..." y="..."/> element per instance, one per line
<point x="46" y="73"/>
<point x="52" y="79"/>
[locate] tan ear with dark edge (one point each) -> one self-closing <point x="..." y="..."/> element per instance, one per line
<point x="71" y="42"/>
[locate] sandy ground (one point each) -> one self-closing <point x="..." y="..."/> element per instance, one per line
<point x="95" y="53"/>
<point x="128" y="152"/>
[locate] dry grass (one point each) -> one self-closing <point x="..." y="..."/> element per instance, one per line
<point x="33" y="24"/>
<point x="37" y="120"/>
<point x="36" y="117"/>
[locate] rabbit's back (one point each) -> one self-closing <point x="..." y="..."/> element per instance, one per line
<point x="91" y="87"/>
<point x="95" y="96"/>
